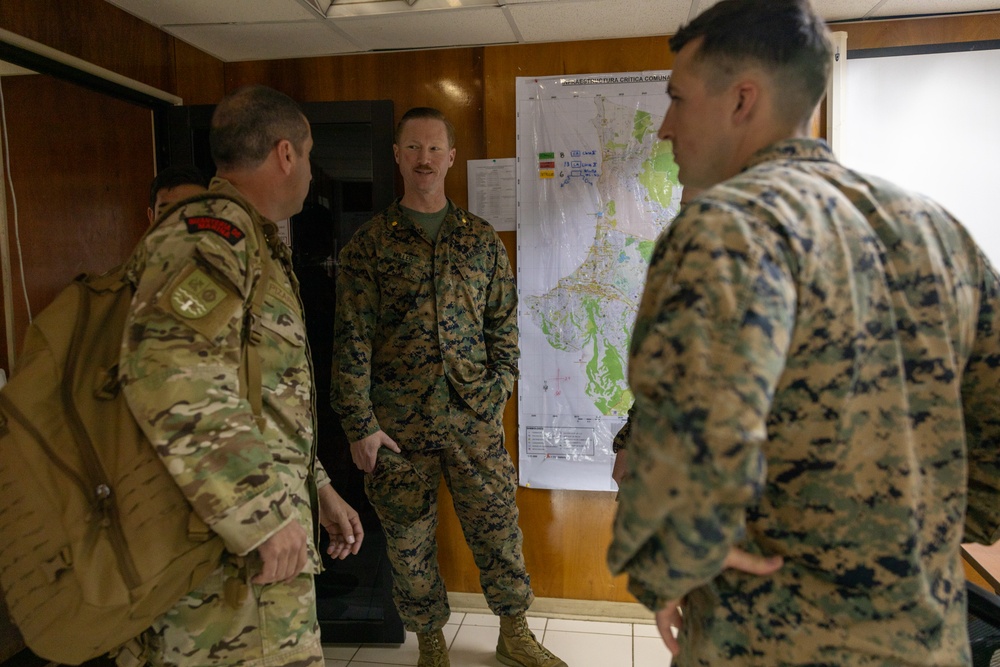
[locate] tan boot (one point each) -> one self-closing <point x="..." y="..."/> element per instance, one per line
<point x="433" y="649"/>
<point x="518" y="647"/>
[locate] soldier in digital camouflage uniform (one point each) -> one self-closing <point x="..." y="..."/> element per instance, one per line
<point x="816" y="365"/>
<point x="425" y="359"/>
<point x="249" y="480"/>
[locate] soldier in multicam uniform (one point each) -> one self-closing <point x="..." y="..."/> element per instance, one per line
<point x="816" y="364"/>
<point x="425" y="359"/>
<point x="250" y="480"/>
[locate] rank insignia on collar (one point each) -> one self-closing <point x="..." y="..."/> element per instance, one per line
<point x="223" y="228"/>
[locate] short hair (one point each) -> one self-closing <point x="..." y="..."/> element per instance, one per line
<point x="172" y="177"/>
<point x="248" y="123"/>
<point x="786" y="37"/>
<point x="429" y="113"/>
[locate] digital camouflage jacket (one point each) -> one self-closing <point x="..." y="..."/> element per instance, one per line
<point x="418" y="321"/>
<point x="816" y="363"/>
<point x="180" y="364"/>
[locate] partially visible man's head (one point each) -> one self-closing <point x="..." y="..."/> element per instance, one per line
<point x="250" y="122"/>
<point x="786" y="38"/>
<point x="746" y="73"/>
<point x="424" y="149"/>
<point x="172" y="185"/>
<point x="426" y="113"/>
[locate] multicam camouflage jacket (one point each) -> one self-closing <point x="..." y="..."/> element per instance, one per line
<point x="816" y="364"/>
<point x="417" y="320"/>
<point x="180" y="362"/>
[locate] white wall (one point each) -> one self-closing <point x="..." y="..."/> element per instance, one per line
<point x="931" y="123"/>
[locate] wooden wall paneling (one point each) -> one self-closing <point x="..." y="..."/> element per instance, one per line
<point x="81" y="164"/>
<point x="97" y="32"/>
<point x="917" y="32"/>
<point x="201" y="78"/>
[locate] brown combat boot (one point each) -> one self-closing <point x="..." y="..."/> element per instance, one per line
<point x="518" y="647"/>
<point x="433" y="649"/>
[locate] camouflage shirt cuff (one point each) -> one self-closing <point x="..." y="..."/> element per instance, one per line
<point x="646" y="597"/>
<point x="248" y="526"/>
<point x="358" y="428"/>
<point x="322" y="477"/>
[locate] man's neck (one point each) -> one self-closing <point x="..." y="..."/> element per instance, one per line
<point x="424" y="203"/>
<point x="756" y="141"/>
<point x="260" y="196"/>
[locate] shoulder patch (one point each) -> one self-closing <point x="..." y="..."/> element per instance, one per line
<point x="202" y="301"/>
<point x="196" y="295"/>
<point x="223" y="228"/>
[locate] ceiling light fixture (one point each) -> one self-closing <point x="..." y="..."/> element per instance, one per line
<point x="355" y="8"/>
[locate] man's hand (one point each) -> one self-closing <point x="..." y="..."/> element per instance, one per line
<point x="737" y="559"/>
<point x="283" y="555"/>
<point x="667" y="618"/>
<point x="670" y="616"/>
<point x="341" y="522"/>
<point x="365" y="451"/>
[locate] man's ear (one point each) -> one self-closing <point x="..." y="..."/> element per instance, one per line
<point x="747" y="97"/>
<point x="285" y="155"/>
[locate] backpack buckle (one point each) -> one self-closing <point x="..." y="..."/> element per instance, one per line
<point x="108" y="384"/>
<point x="254" y="334"/>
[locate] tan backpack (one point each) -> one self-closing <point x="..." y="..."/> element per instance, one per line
<point x="97" y="538"/>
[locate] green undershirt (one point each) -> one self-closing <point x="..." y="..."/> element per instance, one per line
<point x="431" y="222"/>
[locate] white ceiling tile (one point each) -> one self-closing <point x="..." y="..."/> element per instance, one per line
<point x="171" y="12"/>
<point x="577" y="20"/>
<point x="355" y="8"/>
<point x="844" y="10"/>
<point x="428" y="30"/>
<point x="265" y="41"/>
<point x="830" y="10"/>
<point x="910" y="7"/>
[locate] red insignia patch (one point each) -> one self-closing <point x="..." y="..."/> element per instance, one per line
<point x="226" y="230"/>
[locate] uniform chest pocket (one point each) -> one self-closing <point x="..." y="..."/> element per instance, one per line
<point x="474" y="272"/>
<point x="283" y="318"/>
<point x="403" y="281"/>
<point x="395" y="268"/>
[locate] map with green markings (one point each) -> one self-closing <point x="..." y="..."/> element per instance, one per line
<point x="595" y="189"/>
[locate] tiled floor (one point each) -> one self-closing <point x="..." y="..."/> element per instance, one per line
<point x="472" y="640"/>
